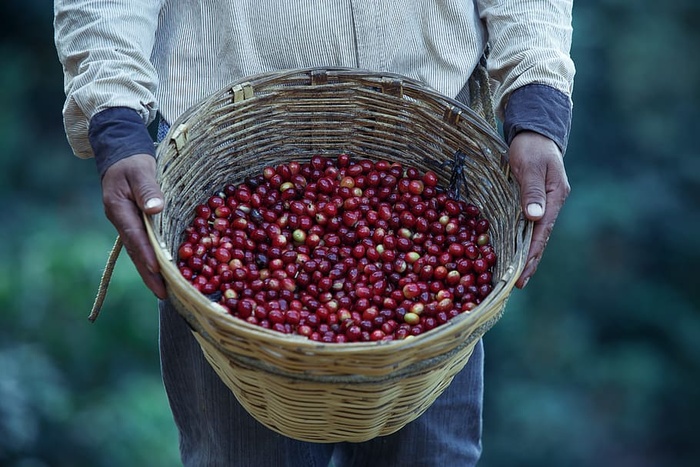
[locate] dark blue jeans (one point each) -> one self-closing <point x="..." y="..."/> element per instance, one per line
<point x="216" y="431"/>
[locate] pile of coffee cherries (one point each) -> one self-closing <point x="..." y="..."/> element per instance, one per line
<point x="340" y="250"/>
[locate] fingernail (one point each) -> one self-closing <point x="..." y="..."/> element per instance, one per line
<point x="526" y="281"/>
<point x="535" y="210"/>
<point x="153" y="203"/>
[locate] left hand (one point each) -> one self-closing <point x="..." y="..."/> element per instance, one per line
<point x="538" y="166"/>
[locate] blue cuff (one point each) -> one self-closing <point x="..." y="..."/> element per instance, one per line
<point x="117" y="133"/>
<point x="539" y="108"/>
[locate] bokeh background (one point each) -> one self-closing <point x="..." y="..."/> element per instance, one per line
<point x="595" y="363"/>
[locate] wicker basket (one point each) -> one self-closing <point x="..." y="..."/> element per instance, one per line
<point x="300" y="388"/>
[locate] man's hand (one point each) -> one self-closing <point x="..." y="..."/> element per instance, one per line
<point x="538" y="166"/>
<point x="129" y="188"/>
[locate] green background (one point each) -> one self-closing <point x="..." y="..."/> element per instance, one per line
<point x="595" y="363"/>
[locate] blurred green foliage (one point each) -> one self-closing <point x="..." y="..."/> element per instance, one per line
<point x="595" y="363"/>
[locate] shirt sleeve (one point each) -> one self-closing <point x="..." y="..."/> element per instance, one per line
<point x="105" y="48"/>
<point x="539" y="108"/>
<point x="117" y="133"/>
<point x="530" y="43"/>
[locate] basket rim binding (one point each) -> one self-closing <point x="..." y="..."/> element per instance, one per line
<point x="246" y="89"/>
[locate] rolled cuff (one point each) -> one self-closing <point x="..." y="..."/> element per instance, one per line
<point x="539" y="108"/>
<point x="117" y="133"/>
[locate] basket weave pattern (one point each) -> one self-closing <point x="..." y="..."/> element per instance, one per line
<point x="300" y="388"/>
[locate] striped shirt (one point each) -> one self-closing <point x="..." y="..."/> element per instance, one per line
<point x="165" y="55"/>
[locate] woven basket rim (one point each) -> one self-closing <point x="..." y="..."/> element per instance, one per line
<point x="339" y="73"/>
<point x="463" y="322"/>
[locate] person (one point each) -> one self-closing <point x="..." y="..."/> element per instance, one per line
<point x="128" y="62"/>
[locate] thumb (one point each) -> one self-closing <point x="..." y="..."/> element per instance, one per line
<point x="529" y="155"/>
<point x="533" y="197"/>
<point x="146" y="191"/>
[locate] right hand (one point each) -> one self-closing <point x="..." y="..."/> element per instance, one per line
<point x="129" y="188"/>
<point x="538" y="165"/>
